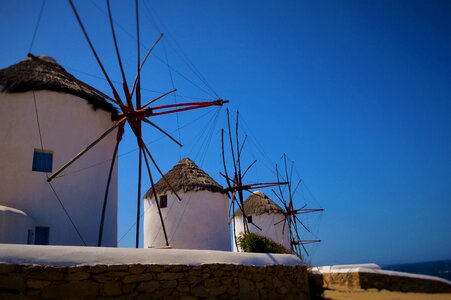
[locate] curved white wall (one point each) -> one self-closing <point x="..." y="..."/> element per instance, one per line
<point x="199" y="221"/>
<point x="68" y="125"/>
<point x="268" y="229"/>
<point x="14" y="226"/>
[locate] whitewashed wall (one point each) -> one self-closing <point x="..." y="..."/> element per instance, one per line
<point x="68" y="124"/>
<point x="199" y="221"/>
<point x="14" y="226"/>
<point x="266" y="223"/>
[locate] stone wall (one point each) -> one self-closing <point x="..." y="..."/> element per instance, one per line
<point x="220" y="281"/>
<point x="363" y="280"/>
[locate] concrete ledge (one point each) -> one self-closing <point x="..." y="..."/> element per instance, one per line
<point x="371" y="276"/>
<point x="74" y="256"/>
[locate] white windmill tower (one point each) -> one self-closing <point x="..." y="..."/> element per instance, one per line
<point x="264" y="217"/>
<point x="198" y="221"/>
<point x="46" y="115"/>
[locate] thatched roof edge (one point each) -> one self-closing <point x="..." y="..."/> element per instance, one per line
<point x="37" y="73"/>
<point x="258" y="204"/>
<point x="186" y="176"/>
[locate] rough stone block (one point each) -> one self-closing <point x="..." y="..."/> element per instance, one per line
<point x="37" y="284"/>
<point x="138" y="278"/>
<point x="77" y="269"/>
<point x="111" y="289"/>
<point x="74" y="289"/>
<point x="77" y="276"/>
<point x="156" y="268"/>
<point x="44" y="275"/>
<point x="102" y="278"/>
<point x="129" y="289"/>
<point x="117" y="268"/>
<point x="149" y="286"/>
<point x="11" y="283"/>
<point x="97" y="269"/>
<point x="137" y="269"/>
<point x="169" y="276"/>
<point x="199" y="291"/>
<point x="169" y="283"/>
<point x="116" y="274"/>
<point x="6" y="268"/>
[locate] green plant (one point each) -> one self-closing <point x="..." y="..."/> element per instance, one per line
<point x="252" y="242"/>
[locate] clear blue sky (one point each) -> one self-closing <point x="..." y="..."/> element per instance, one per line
<point x="357" y="93"/>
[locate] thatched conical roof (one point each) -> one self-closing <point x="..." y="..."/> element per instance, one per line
<point x="257" y="204"/>
<point x="44" y="73"/>
<point x="186" y="176"/>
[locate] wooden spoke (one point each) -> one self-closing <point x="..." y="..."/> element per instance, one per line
<point x="138" y="206"/>
<point x="101" y="94"/>
<point x="155" y="196"/>
<point x="300" y="222"/>
<point x="124" y="79"/>
<point x="161" y="173"/>
<point x="99" y="62"/>
<point x="85" y="150"/>
<point x="280" y="198"/>
<point x="138" y="50"/>
<point x="248" y="168"/>
<point x="231" y="143"/>
<point x="224" y="162"/>
<point x="296" y="188"/>
<point x="256" y="226"/>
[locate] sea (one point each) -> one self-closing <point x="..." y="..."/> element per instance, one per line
<point x="440" y="268"/>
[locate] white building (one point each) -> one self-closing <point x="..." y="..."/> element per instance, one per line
<point x="198" y="221"/>
<point x="40" y="131"/>
<point x="264" y="217"/>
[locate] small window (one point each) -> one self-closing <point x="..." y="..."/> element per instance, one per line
<point x="42" y="161"/>
<point x="41" y="236"/>
<point x="249" y="219"/>
<point x="163" y="201"/>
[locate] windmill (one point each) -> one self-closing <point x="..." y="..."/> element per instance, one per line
<point x="235" y="180"/>
<point x="134" y="112"/>
<point x="292" y="222"/>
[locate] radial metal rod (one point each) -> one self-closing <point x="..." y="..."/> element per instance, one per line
<point x="105" y="199"/>
<point x="158" y="98"/>
<point x="85" y="150"/>
<point x="163" y="131"/>
<point x="144" y="60"/>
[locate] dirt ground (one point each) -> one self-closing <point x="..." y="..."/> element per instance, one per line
<point x="381" y="295"/>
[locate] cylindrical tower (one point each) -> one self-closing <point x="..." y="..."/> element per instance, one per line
<point x="264" y="217"/>
<point x="198" y="221"/>
<point x="48" y="117"/>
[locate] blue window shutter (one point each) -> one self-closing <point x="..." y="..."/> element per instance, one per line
<point x="42" y="161"/>
<point x="42" y="235"/>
